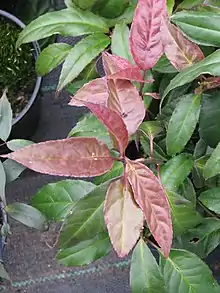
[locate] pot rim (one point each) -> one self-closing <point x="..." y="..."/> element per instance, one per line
<point x="38" y="79"/>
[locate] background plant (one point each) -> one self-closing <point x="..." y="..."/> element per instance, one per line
<point x="178" y="172"/>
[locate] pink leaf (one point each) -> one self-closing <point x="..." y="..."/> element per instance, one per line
<point x="130" y="74"/>
<point x="124" y="219"/>
<point x="151" y="197"/>
<point x="76" y="157"/>
<point x="113" y="122"/>
<point x="96" y="91"/>
<point x="145" y="37"/>
<point x="180" y="51"/>
<point x="126" y="101"/>
<point x="113" y="63"/>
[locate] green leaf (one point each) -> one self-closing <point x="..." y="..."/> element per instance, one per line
<point x="5" y="117"/>
<point x="202" y="239"/>
<point x="120" y="42"/>
<point x="80" y="56"/>
<point x="211" y="199"/>
<point x="210" y="118"/>
<point x="56" y="200"/>
<point x="84" y="4"/>
<point x="170" y="5"/>
<point x="67" y="22"/>
<point x="109" y="8"/>
<point x="12" y="170"/>
<point x="86" y="219"/>
<point x="200" y="27"/>
<point x="17" y="144"/>
<point x="2" y="182"/>
<point x="183" y="123"/>
<point x="200" y="148"/>
<point x="90" y="126"/>
<point x="116" y="171"/>
<point x="27" y="215"/>
<point x="184" y="215"/>
<point x="69" y="4"/>
<point x="188" y="4"/>
<point x="151" y="128"/>
<point x="184" y="272"/>
<point x="158" y="152"/>
<point x="51" y="57"/>
<point x="164" y="66"/>
<point x="145" y="274"/>
<point x="187" y="190"/>
<point x="126" y="17"/>
<point x="85" y="252"/>
<point x="174" y="172"/>
<point x="3" y="273"/>
<point x="209" y="65"/>
<point x="212" y="167"/>
<point x="73" y="87"/>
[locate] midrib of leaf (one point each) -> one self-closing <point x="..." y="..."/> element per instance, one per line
<point x="190" y="26"/>
<point x="191" y="288"/>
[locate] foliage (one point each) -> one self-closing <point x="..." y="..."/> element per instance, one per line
<point x="164" y="202"/>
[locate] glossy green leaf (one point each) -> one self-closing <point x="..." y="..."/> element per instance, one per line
<point x="184" y="215"/>
<point x="86" y="219"/>
<point x="17" y="144"/>
<point x="183" y="123"/>
<point x="80" y="56"/>
<point x="5" y="117"/>
<point x="170" y="5"/>
<point x="51" y="57"/>
<point x="12" y="170"/>
<point x="2" y="182"/>
<point x="151" y="128"/>
<point x="85" y="252"/>
<point x="69" y="4"/>
<point x="116" y="171"/>
<point x="3" y="273"/>
<point x="209" y="65"/>
<point x="202" y="239"/>
<point x="187" y="190"/>
<point x="212" y="166"/>
<point x="211" y="199"/>
<point x="174" y="172"/>
<point x="200" y="148"/>
<point x="188" y="4"/>
<point x="164" y="66"/>
<point x="126" y="17"/>
<point x="145" y="274"/>
<point x="184" y="272"/>
<point x="56" y="200"/>
<point x="74" y="86"/>
<point x="27" y="215"/>
<point x="198" y="179"/>
<point x="90" y="126"/>
<point x="120" y="41"/>
<point x="110" y="8"/>
<point x="210" y="118"/>
<point x="89" y="72"/>
<point x="200" y="27"/>
<point x="66" y="22"/>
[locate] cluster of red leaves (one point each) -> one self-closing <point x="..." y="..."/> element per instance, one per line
<point x="116" y="102"/>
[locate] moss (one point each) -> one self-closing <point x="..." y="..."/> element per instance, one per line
<point x="16" y="66"/>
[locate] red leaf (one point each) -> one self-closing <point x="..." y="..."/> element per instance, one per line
<point x="124" y="219"/>
<point x="145" y="37"/>
<point x="119" y="68"/>
<point x="76" y="157"/>
<point x="96" y="91"/>
<point x="180" y="51"/>
<point x="126" y="101"/>
<point x="151" y="197"/>
<point x="113" y="122"/>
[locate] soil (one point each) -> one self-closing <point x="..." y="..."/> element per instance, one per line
<point x="17" y="67"/>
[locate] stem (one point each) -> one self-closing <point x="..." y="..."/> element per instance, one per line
<point x="142" y="84"/>
<point x="212" y="214"/>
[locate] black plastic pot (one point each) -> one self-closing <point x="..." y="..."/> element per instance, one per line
<point x="25" y="123"/>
